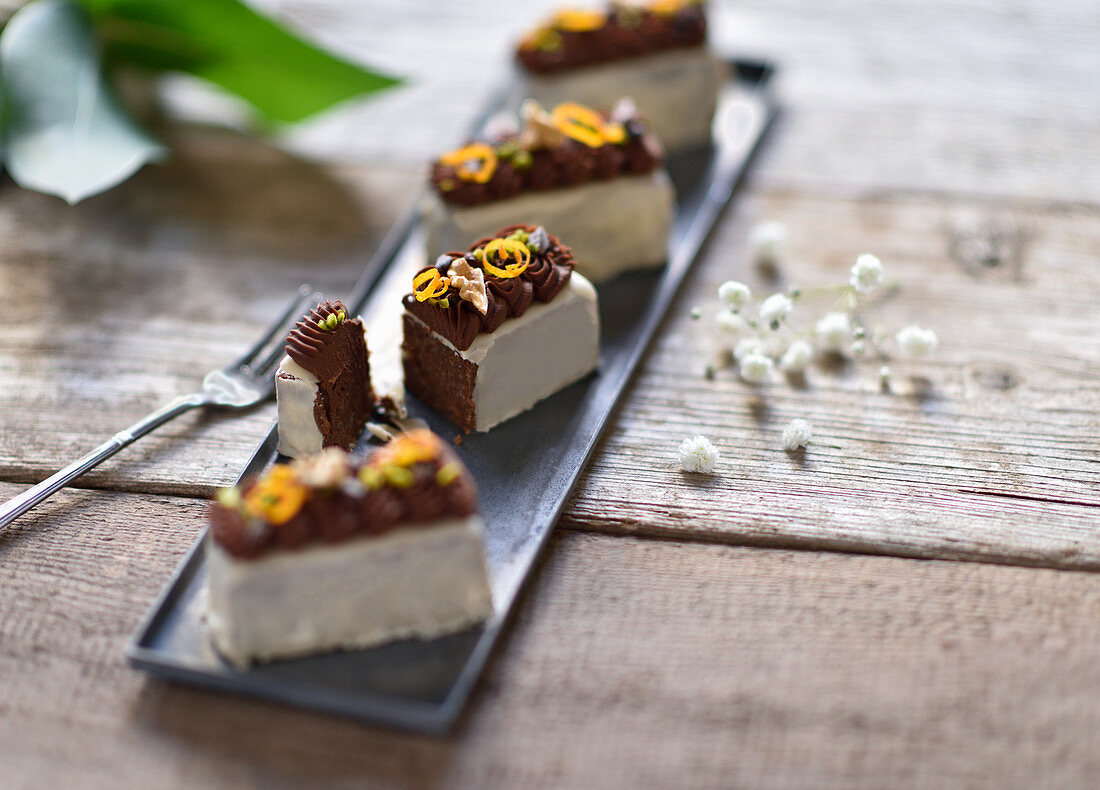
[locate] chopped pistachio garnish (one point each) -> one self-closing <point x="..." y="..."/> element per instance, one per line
<point x="447" y="474"/>
<point x="228" y="497"/>
<point x="333" y="320"/>
<point x="371" y="478"/>
<point x="628" y="15"/>
<point x="546" y="39"/>
<point x="398" y="476"/>
<point x="522" y="160"/>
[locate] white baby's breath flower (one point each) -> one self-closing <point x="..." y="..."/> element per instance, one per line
<point x="747" y="346"/>
<point x="917" y="342"/>
<point x="775" y="308"/>
<point x="833" y="331"/>
<point x="797" y="434"/>
<point x="866" y="274"/>
<point x="697" y="454"/>
<point x="756" y="368"/>
<point x="730" y="322"/>
<point x="734" y="295"/>
<point x="767" y="241"/>
<point x="797" y="358"/>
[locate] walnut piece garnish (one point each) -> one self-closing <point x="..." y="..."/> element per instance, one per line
<point x="539" y="130"/>
<point x="327" y="469"/>
<point x="470" y="282"/>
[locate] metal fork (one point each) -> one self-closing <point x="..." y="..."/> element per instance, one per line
<point x="244" y="382"/>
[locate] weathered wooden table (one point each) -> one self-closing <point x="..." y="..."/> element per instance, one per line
<point x="916" y="605"/>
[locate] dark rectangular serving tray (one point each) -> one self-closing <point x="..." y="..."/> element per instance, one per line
<point x="525" y="468"/>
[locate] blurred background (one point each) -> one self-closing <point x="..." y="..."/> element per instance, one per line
<point x="985" y="97"/>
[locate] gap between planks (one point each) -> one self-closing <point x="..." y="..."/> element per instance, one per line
<point x="631" y="528"/>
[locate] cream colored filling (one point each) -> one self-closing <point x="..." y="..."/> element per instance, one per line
<point x="296" y="392"/>
<point x="419" y="581"/>
<point x="531" y="357"/>
<point x="675" y="91"/>
<point x="612" y="226"/>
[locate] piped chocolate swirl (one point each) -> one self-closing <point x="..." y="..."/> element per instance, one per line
<point x="412" y="481"/>
<point x="568" y="146"/>
<point x="329" y="344"/>
<point x="573" y="39"/>
<point x="466" y="294"/>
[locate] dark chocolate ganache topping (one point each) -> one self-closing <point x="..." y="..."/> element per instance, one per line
<point x="568" y="146"/>
<point x="413" y="480"/>
<point x="518" y="265"/>
<point x="573" y="39"/>
<point x="329" y="343"/>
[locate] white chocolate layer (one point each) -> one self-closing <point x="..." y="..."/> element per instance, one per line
<point x="612" y="226"/>
<point x="419" y="581"/>
<point x="531" y="357"/>
<point x="296" y="392"/>
<point x="675" y="91"/>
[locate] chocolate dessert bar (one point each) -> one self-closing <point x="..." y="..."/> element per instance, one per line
<point x="490" y="332"/>
<point x="335" y="552"/>
<point x="656" y="53"/>
<point x="596" y="179"/>
<point x="323" y="385"/>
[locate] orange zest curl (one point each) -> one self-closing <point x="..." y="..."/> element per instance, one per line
<point x="579" y="21"/>
<point x="475" y="162"/>
<point x="614" y="133"/>
<point x="504" y="251"/>
<point x="430" y="284"/>
<point x="277" y="497"/>
<point x="407" y="449"/>
<point x="669" y="7"/>
<point x="586" y="125"/>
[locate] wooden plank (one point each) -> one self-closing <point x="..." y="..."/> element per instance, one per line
<point x="989" y="453"/>
<point x="115" y="306"/>
<point x="983" y="98"/>
<point x="969" y="469"/>
<point x="631" y="664"/>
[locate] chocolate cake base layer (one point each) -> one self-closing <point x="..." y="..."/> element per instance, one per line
<point x="345" y="398"/>
<point x="437" y="375"/>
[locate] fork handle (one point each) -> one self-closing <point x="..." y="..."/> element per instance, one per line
<point x="18" y="505"/>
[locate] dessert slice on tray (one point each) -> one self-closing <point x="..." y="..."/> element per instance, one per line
<point x="655" y="52"/>
<point x="323" y="385"/>
<point x="335" y="552"/>
<point x="490" y="332"/>
<point x="597" y="180"/>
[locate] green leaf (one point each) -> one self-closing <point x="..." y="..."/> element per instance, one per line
<point x="64" y="133"/>
<point x="229" y="44"/>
